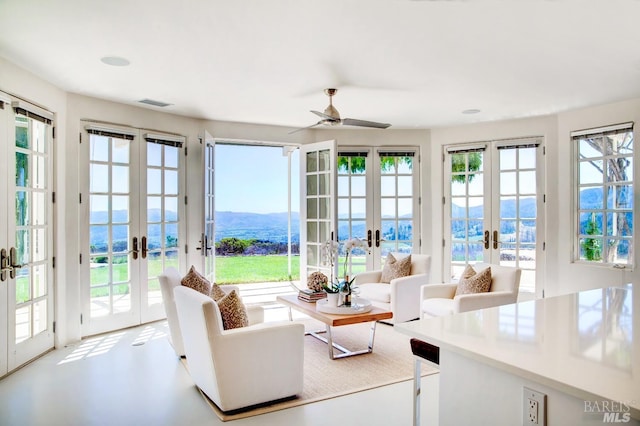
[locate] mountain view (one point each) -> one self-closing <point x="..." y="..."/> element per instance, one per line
<point x="273" y="226"/>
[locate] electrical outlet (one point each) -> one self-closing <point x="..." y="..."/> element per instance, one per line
<point x="533" y="407"/>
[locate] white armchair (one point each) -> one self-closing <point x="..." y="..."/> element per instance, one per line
<point x="239" y="367"/>
<point x="401" y="295"/>
<point x="438" y="299"/>
<point x="169" y="279"/>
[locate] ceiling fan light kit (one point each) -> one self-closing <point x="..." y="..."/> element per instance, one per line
<point x="331" y="117"/>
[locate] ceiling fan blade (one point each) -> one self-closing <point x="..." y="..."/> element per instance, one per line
<point x="305" y="128"/>
<point x="323" y="115"/>
<point x="364" y="123"/>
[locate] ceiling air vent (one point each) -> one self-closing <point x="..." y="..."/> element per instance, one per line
<point x="154" y="103"/>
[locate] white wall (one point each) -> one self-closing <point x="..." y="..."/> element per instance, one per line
<point x="562" y="275"/>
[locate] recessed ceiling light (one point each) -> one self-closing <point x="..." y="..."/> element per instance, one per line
<point x="115" y="61"/>
<point x="471" y="111"/>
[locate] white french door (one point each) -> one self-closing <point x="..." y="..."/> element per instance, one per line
<point x="317" y="205"/>
<point x="379" y="202"/>
<point x="133" y="209"/>
<point x="26" y="233"/>
<point x="208" y="236"/>
<point x="494" y="208"/>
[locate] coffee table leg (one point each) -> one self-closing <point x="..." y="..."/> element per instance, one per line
<point x="345" y="352"/>
<point x="372" y="335"/>
<point x="330" y="342"/>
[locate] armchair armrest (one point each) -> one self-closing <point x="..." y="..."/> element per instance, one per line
<point x="368" y="277"/>
<point x="440" y="291"/>
<point x="472" y="302"/>
<point x="255" y="314"/>
<point x="405" y="293"/>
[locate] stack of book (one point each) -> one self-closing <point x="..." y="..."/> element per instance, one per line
<point x="308" y="295"/>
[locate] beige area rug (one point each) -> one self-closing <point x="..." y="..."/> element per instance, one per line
<point x="391" y="362"/>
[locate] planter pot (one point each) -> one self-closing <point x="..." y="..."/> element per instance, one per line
<point x="332" y="299"/>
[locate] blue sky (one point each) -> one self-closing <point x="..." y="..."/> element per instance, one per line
<point x="254" y="179"/>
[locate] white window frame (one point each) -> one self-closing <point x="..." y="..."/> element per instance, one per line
<point x="576" y="137"/>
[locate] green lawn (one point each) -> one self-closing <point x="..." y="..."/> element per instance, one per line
<point x="248" y="269"/>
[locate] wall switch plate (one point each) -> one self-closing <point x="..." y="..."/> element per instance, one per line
<point x="533" y="407"/>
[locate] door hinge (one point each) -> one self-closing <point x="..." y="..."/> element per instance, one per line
<point x="185" y="151"/>
<point x="80" y="198"/>
<point x="186" y="200"/>
<point x="443" y="242"/>
<point x="419" y="200"/>
<point x="53" y="133"/>
<point x="186" y="248"/>
<point x="444" y="201"/>
<point x="544" y="246"/>
<point x="53" y="197"/>
<point x="54" y="327"/>
<point x="443" y="157"/>
<point x="80" y="257"/>
<point x="200" y="139"/>
<point x="79" y="137"/>
<point x="81" y="319"/>
<point x="53" y="262"/>
<point x="544" y="150"/>
<point x="544" y="198"/>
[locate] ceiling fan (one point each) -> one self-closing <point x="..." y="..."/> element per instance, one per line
<point x="331" y="117"/>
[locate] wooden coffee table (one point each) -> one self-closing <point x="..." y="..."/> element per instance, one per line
<point x="333" y="320"/>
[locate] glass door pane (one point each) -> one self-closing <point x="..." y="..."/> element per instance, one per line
<point x="317" y="205"/>
<point x="30" y="238"/>
<point x="517" y="219"/>
<point x="207" y="242"/>
<point x="398" y="205"/>
<point x="160" y="244"/>
<point x="113" y="245"/>
<point x="467" y="210"/>
<point x="353" y="210"/>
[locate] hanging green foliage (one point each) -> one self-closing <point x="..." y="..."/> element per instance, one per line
<point x="459" y="165"/>
<point x="359" y="164"/>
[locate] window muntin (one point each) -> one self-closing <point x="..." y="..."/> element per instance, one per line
<point x="604" y="190"/>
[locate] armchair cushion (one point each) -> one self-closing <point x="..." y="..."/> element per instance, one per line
<point x="395" y="268"/>
<point x="196" y="282"/>
<point x="233" y="312"/>
<point x="472" y="282"/>
<point x="376" y="292"/>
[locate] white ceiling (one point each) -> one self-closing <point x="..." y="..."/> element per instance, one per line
<point x="414" y="64"/>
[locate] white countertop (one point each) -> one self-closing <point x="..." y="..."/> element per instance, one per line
<point x="583" y="344"/>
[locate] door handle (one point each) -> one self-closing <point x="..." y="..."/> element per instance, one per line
<point x="369" y="237"/>
<point x="135" y="248"/>
<point x="486" y="240"/>
<point x="144" y="247"/>
<point x="377" y="238"/>
<point x="13" y="257"/>
<point x="4" y="264"/>
<point x="204" y="245"/>
<point x="495" y="240"/>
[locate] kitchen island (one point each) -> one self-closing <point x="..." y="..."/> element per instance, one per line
<point x="580" y="350"/>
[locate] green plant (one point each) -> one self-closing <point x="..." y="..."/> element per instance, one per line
<point x="591" y="246"/>
<point x="331" y="287"/>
